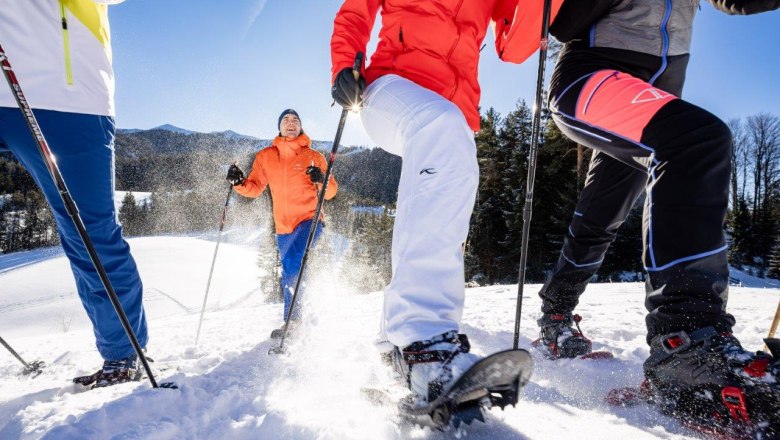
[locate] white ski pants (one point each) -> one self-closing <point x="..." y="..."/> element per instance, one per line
<point x="439" y="177"/>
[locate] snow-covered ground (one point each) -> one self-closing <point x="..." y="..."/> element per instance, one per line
<point x="230" y="388"/>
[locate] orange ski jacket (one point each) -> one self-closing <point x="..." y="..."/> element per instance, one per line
<point x="436" y="43"/>
<point x="282" y="167"/>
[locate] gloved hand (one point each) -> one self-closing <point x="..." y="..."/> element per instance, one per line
<point x="345" y="89"/>
<point x="315" y="174"/>
<point x="234" y="175"/>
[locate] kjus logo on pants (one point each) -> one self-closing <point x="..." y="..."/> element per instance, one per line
<point x="428" y="171"/>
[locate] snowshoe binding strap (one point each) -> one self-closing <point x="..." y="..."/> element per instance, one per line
<point x="100" y="379"/>
<point x="116" y="377"/>
<point x="417" y="353"/>
<point x="662" y="347"/>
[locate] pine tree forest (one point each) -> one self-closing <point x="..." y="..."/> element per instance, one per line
<point x="189" y="197"/>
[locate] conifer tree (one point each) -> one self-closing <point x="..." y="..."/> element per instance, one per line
<point x="740" y="228"/>
<point x="774" y="261"/>
<point x="129" y="215"/>
<point x="487" y="221"/>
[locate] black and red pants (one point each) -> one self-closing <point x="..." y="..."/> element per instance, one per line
<point x="649" y="140"/>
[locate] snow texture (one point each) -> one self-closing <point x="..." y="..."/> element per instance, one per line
<point x="230" y="388"/>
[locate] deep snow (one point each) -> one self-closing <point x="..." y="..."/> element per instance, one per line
<point x="230" y="388"/>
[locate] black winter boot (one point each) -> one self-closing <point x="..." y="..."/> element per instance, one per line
<point x="119" y="371"/>
<point x="708" y="378"/>
<point x="560" y="339"/>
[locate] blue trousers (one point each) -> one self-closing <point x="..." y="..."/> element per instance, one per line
<point x="291" y="249"/>
<point x="83" y="146"/>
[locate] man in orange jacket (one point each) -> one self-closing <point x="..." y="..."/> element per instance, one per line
<point x="294" y="172"/>
<point x="422" y="104"/>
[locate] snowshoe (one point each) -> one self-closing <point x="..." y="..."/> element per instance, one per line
<point x="494" y="381"/>
<point x="33" y="369"/>
<point x="558" y="339"/>
<point x="113" y="372"/>
<point x="451" y="386"/>
<point x="711" y="385"/>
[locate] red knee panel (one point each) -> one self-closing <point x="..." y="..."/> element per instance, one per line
<point x="619" y="103"/>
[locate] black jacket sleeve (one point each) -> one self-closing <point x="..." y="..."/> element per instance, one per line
<point x="576" y="16"/>
<point x="745" y="7"/>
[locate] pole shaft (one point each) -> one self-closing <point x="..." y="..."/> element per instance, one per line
<point x="529" y="193"/>
<point x="213" y="262"/>
<point x="775" y="322"/>
<point x="13" y="352"/>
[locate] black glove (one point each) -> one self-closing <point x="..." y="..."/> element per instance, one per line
<point x="315" y="174"/>
<point x="235" y="176"/>
<point x="345" y="89"/>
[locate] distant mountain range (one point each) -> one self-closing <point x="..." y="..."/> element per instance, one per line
<point x="168" y="157"/>
<point x="185" y="140"/>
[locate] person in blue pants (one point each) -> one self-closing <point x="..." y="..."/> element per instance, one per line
<point x="71" y="92"/>
<point x="294" y="173"/>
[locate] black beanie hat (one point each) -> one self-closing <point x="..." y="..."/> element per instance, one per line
<point x="289" y="111"/>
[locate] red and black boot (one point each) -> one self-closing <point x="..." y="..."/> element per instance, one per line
<point x="560" y="339"/>
<point x="707" y="380"/>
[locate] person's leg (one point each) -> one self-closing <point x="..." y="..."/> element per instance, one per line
<point x="685" y="152"/>
<point x="286" y="253"/>
<point x="695" y="363"/>
<point x="610" y="191"/>
<point x="292" y="246"/>
<point x="439" y="176"/>
<point x="83" y="146"/>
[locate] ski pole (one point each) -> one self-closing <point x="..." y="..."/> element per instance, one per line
<point x="320" y="200"/>
<point x="775" y="322"/>
<point x="529" y="192"/>
<point x="33" y="367"/>
<point x="73" y="211"/>
<point x="213" y="261"/>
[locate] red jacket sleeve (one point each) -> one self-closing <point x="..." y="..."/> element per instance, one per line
<point x="333" y="186"/>
<point x="518" y="27"/>
<point x="255" y="183"/>
<point x="351" y="32"/>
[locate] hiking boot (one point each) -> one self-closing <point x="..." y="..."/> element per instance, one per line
<point x="118" y="371"/>
<point x="707" y="375"/>
<point x="560" y="339"/>
<point x="433" y="365"/>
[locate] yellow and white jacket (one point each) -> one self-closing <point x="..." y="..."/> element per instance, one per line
<point x="60" y="51"/>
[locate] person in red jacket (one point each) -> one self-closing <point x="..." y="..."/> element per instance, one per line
<point x="421" y="103"/>
<point x="294" y="172"/>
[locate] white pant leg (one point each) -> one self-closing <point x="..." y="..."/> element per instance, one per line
<point x="439" y="178"/>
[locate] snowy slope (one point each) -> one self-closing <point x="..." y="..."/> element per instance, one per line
<point x="230" y="388"/>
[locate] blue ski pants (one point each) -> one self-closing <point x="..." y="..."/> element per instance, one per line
<point x="83" y="147"/>
<point x="291" y="249"/>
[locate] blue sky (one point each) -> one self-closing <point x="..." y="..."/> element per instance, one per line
<point x="236" y="64"/>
